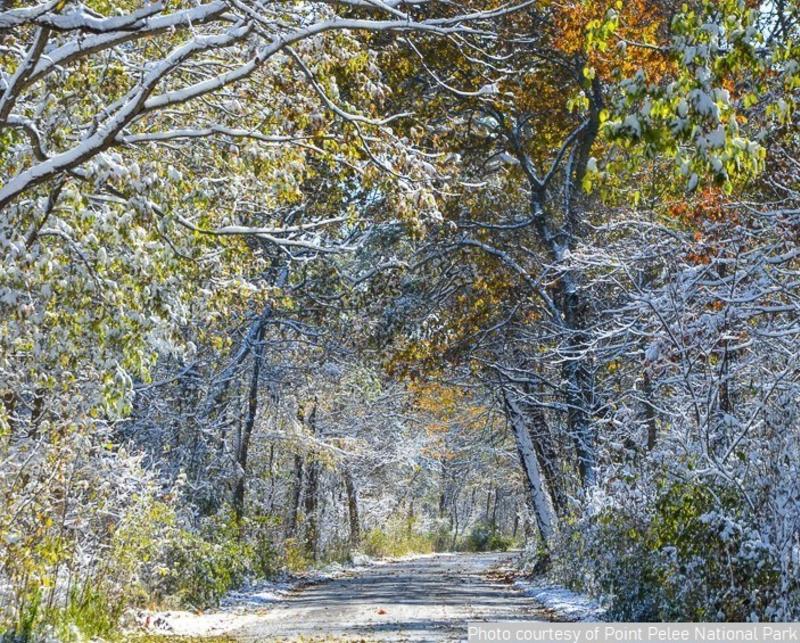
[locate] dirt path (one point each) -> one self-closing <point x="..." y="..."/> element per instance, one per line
<point x="426" y="599"/>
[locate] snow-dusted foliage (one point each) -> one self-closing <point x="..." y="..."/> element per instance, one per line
<point x="697" y="514"/>
<point x="281" y="282"/>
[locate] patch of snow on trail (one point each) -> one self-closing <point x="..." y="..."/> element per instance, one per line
<point x="182" y="623"/>
<point x="237" y="609"/>
<point x="258" y="593"/>
<point x="567" y="604"/>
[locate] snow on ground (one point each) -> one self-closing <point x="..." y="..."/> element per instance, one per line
<point x="237" y="608"/>
<point x="561" y="603"/>
<point x="258" y="593"/>
<point x="243" y="606"/>
<point x="566" y="605"/>
<point x="419" y="599"/>
<point x="183" y="623"/>
<point x="346" y="592"/>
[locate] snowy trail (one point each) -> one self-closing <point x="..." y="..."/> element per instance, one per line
<point x="430" y="598"/>
<point x="424" y="599"/>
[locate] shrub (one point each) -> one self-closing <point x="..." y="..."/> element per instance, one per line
<point x="692" y="556"/>
<point x="296" y="555"/>
<point x="485" y="537"/>
<point x="63" y="597"/>
<point x="399" y="538"/>
<point x="442" y="536"/>
<point x="499" y="541"/>
<point x="200" y="566"/>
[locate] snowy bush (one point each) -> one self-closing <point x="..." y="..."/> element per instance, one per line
<point x="685" y="552"/>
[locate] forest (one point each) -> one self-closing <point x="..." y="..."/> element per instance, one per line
<point x="285" y="283"/>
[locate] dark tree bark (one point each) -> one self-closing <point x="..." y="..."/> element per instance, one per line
<point x="649" y="411"/>
<point x="37" y="412"/>
<point x="247" y="429"/>
<point x="9" y="399"/>
<point x="223" y="381"/>
<point x="310" y="500"/>
<point x="352" y="509"/>
<point x="546" y="452"/>
<point x="297" y="490"/>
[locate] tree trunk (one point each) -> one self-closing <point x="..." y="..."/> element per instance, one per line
<point x="311" y="509"/>
<point x="649" y="411"/>
<point x="568" y="301"/>
<point x="223" y="381"/>
<point x="9" y="400"/>
<point x="297" y="489"/>
<point x="312" y="537"/>
<point x="540" y="498"/>
<point x="352" y="509"/>
<point x="247" y="429"/>
<point x="542" y="440"/>
<point x="271" y="497"/>
<point x="579" y="382"/>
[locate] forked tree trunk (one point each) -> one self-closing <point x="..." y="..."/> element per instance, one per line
<point x="546" y="453"/>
